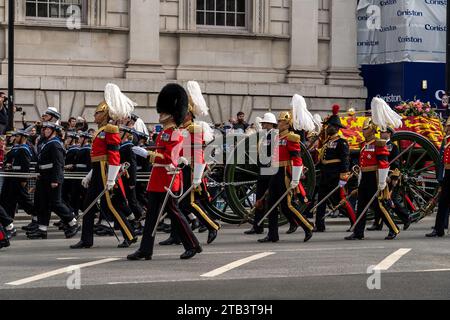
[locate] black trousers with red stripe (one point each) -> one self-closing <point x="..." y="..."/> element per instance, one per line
<point x="178" y="220"/>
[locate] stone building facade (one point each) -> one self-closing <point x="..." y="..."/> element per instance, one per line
<point x="249" y="55"/>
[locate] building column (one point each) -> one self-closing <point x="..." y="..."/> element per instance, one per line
<point x="144" y="62"/>
<point x="304" y="46"/>
<point x="343" y="68"/>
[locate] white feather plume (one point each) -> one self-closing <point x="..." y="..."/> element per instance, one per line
<point x="383" y="115"/>
<point x="194" y="91"/>
<point x="120" y="106"/>
<point x="258" y="125"/>
<point x="208" y="132"/>
<point x="302" y="118"/>
<point x="140" y="126"/>
<point x="318" y="122"/>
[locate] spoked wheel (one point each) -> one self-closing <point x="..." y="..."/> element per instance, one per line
<point x="241" y="176"/>
<point x="419" y="188"/>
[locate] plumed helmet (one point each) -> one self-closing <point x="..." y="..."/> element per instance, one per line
<point x="173" y="100"/>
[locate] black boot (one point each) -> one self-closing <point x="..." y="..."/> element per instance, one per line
<point x="434" y="234"/>
<point x="391" y="236"/>
<point x="212" y="235"/>
<point x="267" y="239"/>
<point x="81" y="245"/>
<point x="126" y="243"/>
<point x="71" y="231"/>
<point x="31" y="226"/>
<point x="308" y="235"/>
<point x="354" y="236"/>
<point x="37" y="234"/>
<point x="195" y="224"/>
<point x="190" y="253"/>
<point x="292" y="229"/>
<point x="170" y="242"/>
<point x="254" y="231"/>
<point x="138" y="255"/>
<point x="407" y="224"/>
<point x="202" y="229"/>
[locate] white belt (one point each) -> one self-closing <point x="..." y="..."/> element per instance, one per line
<point x="138" y="168"/>
<point x="81" y="166"/>
<point x="46" y="166"/>
<point x="17" y="167"/>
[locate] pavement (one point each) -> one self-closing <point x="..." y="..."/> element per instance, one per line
<point x="234" y="267"/>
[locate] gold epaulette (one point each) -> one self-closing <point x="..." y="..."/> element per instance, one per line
<point x="293" y="137"/>
<point x="194" y="128"/>
<point x="110" y="128"/>
<point x="380" y="143"/>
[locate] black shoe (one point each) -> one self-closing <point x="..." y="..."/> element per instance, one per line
<point x="126" y="243"/>
<point x="354" y="236"/>
<point x="104" y="231"/>
<point x="71" y="231"/>
<point x="11" y="233"/>
<point x="202" y="229"/>
<point x="254" y="231"/>
<point x="407" y="224"/>
<point x="212" y="235"/>
<point x="138" y="255"/>
<point x="190" y="253"/>
<point x="318" y="229"/>
<point x="308" y="235"/>
<point x="170" y="242"/>
<point x="37" y="234"/>
<point x="195" y="224"/>
<point x="267" y="239"/>
<point x="375" y="227"/>
<point x="30" y="227"/>
<point x="391" y="236"/>
<point x="81" y="245"/>
<point x="4" y="243"/>
<point x="292" y="229"/>
<point x="434" y="234"/>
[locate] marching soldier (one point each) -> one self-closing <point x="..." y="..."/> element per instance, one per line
<point x="374" y="165"/>
<point x="269" y="124"/>
<point x="334" y="170"/>
<point x="142" y="165"/>
<point x="172" y="105"/>
<point x="394" y="185"/>
<point x="288" y="160"/>
<point x="194" y="135"/>
<point x="50" y="166"/>
<point x="15" y="190"/>
<point x="443" y="207"/>
<point x="105" y="159"/>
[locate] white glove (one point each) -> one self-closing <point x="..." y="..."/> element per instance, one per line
<point x="183" y="160"/>
<point x="87" y="180"/>
<point x="140" y="152"/>
<point x="296" y="174"/>
<point x="342" y="183"/>
<point x="198" y="174"/>
<point x="112" y="175"/>
<point x="382" y="177"/>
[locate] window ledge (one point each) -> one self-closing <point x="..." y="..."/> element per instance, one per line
<point x="58" y="24"/>
<point x="227" y="33"/>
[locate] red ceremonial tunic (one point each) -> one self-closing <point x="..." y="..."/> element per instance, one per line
<point x="374" y="155"/>
<point x="169" y="144"/>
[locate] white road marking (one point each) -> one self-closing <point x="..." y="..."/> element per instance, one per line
<point x="434" y="270"/>
<point x="69" y="258"/>
<point x="391" y="259"/>
<point x="59" y="271"/>
<point x="236" y="264"/>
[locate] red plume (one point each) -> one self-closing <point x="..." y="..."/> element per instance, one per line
<point x="336" y="109"/>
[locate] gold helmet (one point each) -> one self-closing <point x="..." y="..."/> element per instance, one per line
<point x="368" y="123"/>
<point x="102" y="107"/>
<point x="285" y="116"/>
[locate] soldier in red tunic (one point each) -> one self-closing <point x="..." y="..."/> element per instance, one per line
<point x="374" y="164"/>
<point x="290" y="166"/>
<point x="105" y="159"/>
<point x="172" y="105"/>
